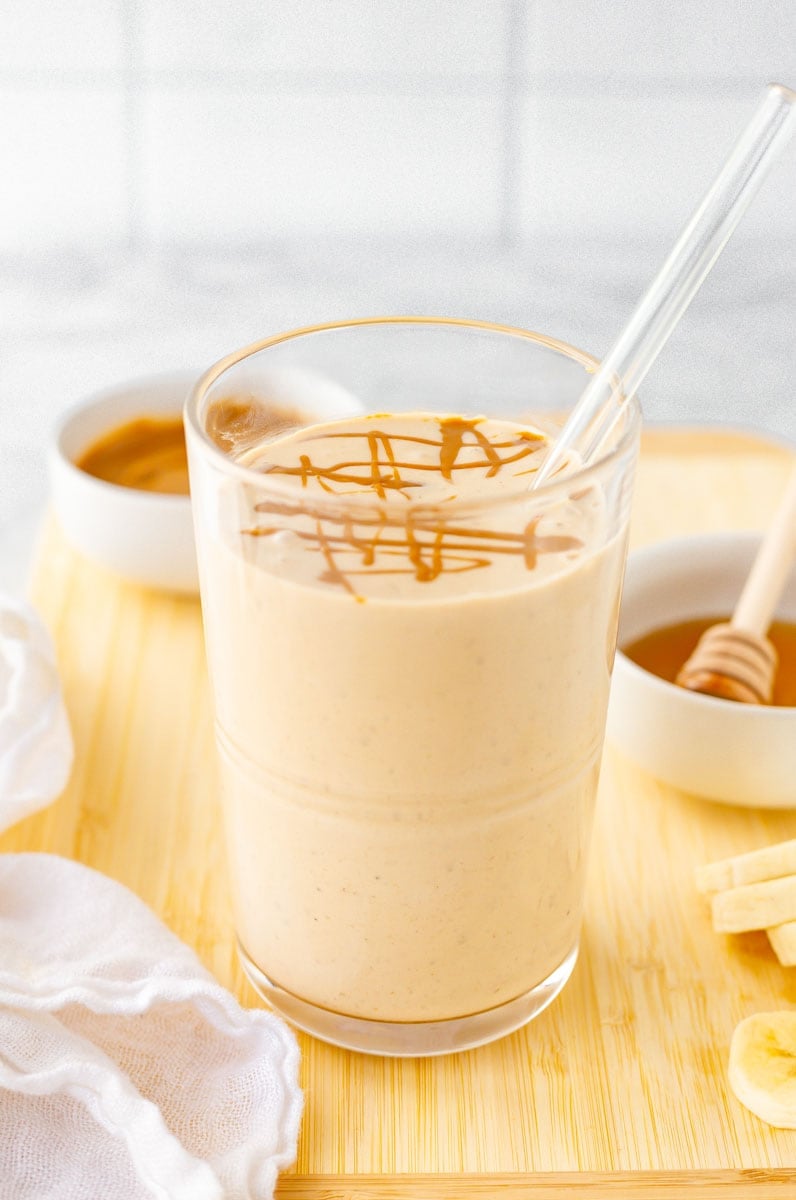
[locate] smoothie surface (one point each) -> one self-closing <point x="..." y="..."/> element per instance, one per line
<point x="374" y="505"/>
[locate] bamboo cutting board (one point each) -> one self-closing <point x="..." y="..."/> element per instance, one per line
<point x="620" y="1086"/>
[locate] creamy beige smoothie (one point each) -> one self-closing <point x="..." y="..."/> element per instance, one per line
<point x="410" y="656"/>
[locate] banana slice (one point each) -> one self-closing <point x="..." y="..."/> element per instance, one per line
<point x="770" y="862"/>
<point x="762" y="1069"/>
<point x="783" y="942"/>
<point x="755" y="906"/>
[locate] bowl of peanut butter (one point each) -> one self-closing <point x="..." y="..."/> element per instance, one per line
<point x="119" y="471"/>
<point x="119" y="481"/>
<point x="737" y="753"/>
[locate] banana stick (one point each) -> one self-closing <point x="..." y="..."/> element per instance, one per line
<point x="755" y="906"/>
<point x="783" y="940"/>
<point x="771" y="862"/>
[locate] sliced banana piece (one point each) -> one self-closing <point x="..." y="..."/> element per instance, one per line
<point x="770" y="862"/>
<point x="762" y="1070"/>
<point x="783" y="941"/>
<point x="755" y="906"/>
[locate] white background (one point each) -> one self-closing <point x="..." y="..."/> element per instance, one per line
<point x="180" y="178"/>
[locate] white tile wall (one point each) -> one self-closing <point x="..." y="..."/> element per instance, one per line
<point x="501" y="120"/>
<point x="38" y="37"/>
<point x="183" y="176"/>
<point x="63" y="158"/>
<point x="694" y="44"/>
<point x="321" y="39"/>
<point x="319" y="165"/>
<point x="627" y="110"/>
<point x="636" y="165"/>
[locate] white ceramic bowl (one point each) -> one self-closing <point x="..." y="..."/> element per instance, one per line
<point x="737" y="753"/>
<point x="146" y="537"/>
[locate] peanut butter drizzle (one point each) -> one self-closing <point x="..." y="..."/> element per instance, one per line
<point x="452" y="431"/>
<point x="398" y="534"/>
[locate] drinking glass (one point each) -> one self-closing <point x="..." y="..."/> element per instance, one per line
<point x="410" y="694"/>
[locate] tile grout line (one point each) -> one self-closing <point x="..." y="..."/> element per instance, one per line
<point x="131" y="123"/>
<point x="515" y="27"/>
<point x="367" y="83"/>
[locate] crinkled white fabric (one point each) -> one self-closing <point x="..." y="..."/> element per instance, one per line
<point x="35" y="742"/>
<point x="125" y="1069"/>
<point x="101" y="1004"/>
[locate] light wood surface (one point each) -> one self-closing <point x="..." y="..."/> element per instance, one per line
<point x="624" y="1074"/>
<point x="587" y="1185"/>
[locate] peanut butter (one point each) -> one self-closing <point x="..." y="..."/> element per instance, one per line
<point x="147" y="453"/>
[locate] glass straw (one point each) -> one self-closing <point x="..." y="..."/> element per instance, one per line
<point x="677" y="282"/>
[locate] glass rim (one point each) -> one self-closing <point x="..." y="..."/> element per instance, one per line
<point x="264" y="482"/>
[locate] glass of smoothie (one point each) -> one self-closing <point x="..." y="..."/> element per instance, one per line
<point x="410" y="653"/>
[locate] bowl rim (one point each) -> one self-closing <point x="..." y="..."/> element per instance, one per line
<point x="696" y="700"/>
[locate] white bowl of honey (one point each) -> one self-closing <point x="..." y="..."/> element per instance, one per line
<point x="721" y="750"/>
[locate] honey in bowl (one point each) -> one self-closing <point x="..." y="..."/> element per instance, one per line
<point x="147" y="454"/>
<point x="663" y="652"/>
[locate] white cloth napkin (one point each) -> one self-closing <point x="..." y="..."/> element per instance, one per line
<point x="35" y="742"/>
<point x="126" y="1071"/>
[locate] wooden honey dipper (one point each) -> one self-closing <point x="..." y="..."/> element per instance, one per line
<point x="735" y="660"/>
